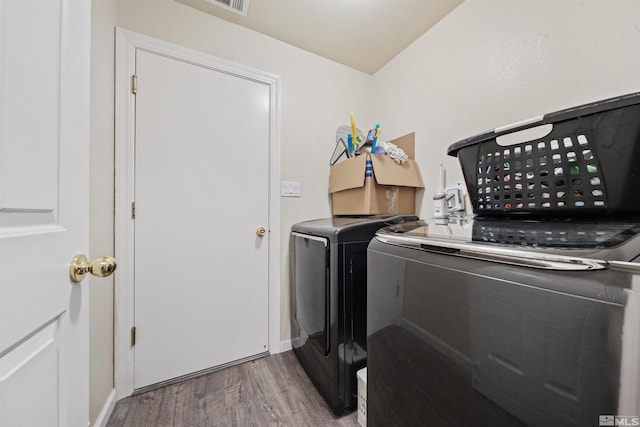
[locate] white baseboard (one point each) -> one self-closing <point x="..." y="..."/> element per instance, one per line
<point x="107" y="410"/>
<point x="285" y="346"/>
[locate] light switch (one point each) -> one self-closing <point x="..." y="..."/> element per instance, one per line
<point x="289" y="189"/>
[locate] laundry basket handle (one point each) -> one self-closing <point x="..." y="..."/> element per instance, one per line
<point x="551" y="118"/>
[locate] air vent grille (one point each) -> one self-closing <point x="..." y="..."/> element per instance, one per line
<point x="237" y="6"/>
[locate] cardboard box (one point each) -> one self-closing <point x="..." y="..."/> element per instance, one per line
<point x="374" y="184"/>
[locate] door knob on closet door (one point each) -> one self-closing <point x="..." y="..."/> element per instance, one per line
<point x="100" y="267"/>
<point x="261" y="231"/>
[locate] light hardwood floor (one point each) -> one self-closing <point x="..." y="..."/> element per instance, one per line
<point x="271" y="391"/>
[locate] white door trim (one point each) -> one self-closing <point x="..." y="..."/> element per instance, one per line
<point x="127" y="43"/>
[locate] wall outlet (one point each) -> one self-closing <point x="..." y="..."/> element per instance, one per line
<point x="289" y="189"/>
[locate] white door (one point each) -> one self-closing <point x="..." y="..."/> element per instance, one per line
<point x="44" y="144"/>
<point x="201" y="192"/>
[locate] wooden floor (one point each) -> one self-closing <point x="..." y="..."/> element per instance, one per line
<point x="272" y="391"/>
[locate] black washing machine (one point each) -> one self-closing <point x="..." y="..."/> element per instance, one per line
<point x="504" y="322"/>
<point x="527" y="314"/>
<point x="328" y="301"/>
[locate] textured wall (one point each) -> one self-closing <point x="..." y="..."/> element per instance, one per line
<point x="494" y="62"/>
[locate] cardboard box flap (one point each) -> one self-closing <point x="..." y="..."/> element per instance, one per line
<point x="387" y="172"/>
<point x="347" y="174"/>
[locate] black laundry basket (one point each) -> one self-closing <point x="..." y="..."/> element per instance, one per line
<point x="588" y="163"/>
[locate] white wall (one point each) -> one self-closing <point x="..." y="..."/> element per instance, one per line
<point x="101" y="203"/>
<point x="490" y="63"/>
<point x="316" y="97"/>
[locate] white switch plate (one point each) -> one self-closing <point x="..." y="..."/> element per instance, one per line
<point x="289" y="189"/>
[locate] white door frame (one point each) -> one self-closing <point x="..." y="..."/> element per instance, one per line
<point x="127" y="43"/>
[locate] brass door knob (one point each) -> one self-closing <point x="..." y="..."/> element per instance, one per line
<point x="100" y="267"/>
<point x="261" y="231"/>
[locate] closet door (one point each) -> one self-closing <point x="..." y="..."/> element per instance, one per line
<point x="201" y="201"/>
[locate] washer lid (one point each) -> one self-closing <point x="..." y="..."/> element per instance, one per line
<point x="547" y="244"/>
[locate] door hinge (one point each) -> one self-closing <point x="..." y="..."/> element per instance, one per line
<point x="133" y="336"/>
<point x="134" y="84"/>
<point x="133" y="210"/>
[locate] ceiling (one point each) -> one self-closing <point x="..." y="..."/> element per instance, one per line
<point x="362" y="34"/>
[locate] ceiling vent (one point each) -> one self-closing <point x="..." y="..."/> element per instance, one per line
<point x="237" y="6"/>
